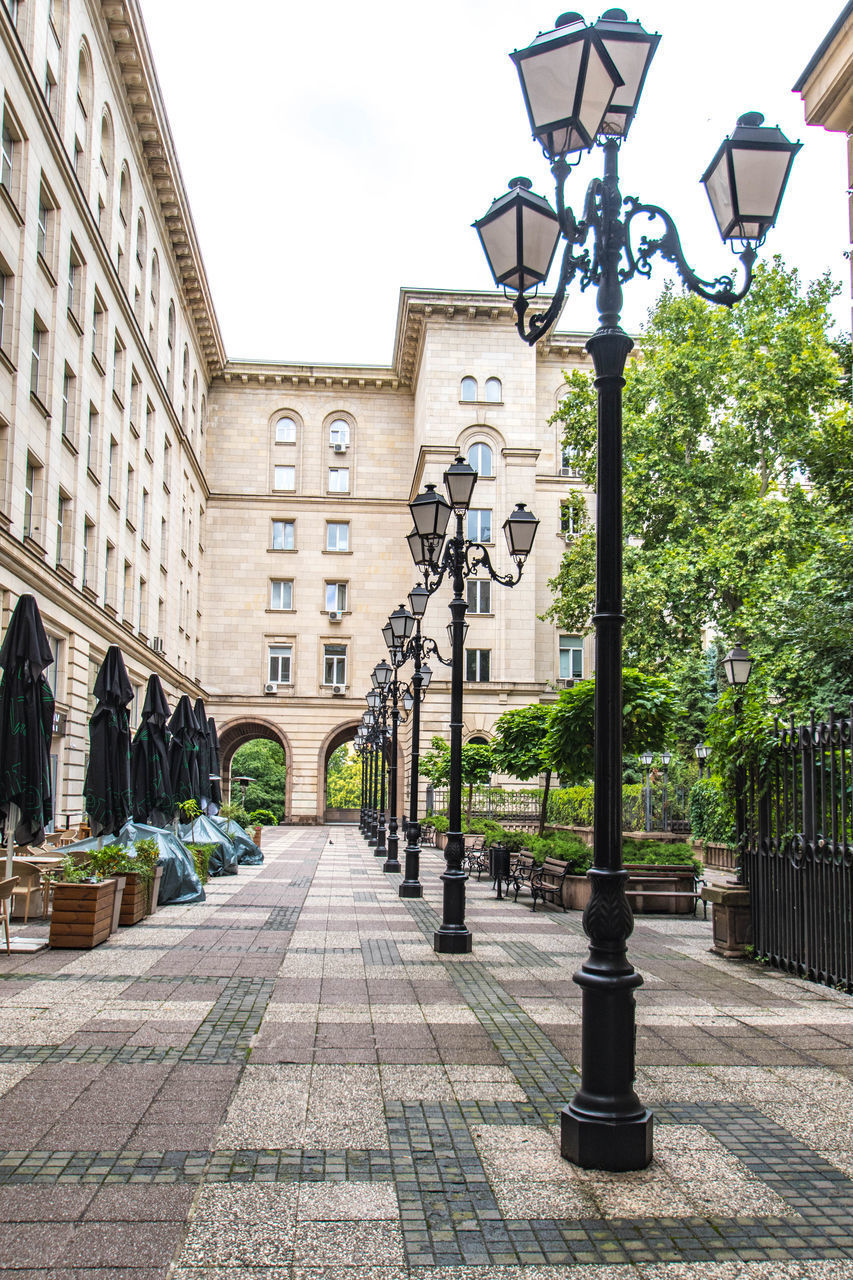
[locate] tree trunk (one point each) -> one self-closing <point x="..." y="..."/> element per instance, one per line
<point x="470" y="802"/>
<point x="544" y="810"/>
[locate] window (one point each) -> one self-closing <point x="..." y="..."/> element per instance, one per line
<point x="185" y="383"/>
<point x="69" y="397"/>
<point x="105" y="169"/>
<point x="135" y="401"/>
<point x="13" y="7"/>
<point x="170" y="350"/>
<point x="38" y="365"/>
<point x="571" y="658"/>
<point x="141" y="242"/>
<point x="479" y="596"/>
<point x="88" y="543"/>
<point x="130" y="496"/>
<point x="119" y="361"/>
<point x="63" y="528"/>
<point x="92" y="439"/>
<point x="480" y="458"/>
<point x="75" y="275"/>
<point x="31" y="498"/>
<point x="154" y="314"/>
<point x="477" y="663"/>
<point x="284" y="478"/>
<point x="99" y="332"/>
<point x="5" y="304"/>
<point x="339" y="433"/>
<point x="567" y="461"/>
<point x="150" y="418"/>
<point x="143" y="516"/>
<point x="45" y="225"/>
<point x="335" y="664"/>
<point x="285" y="431"/>
<point x="283" y="535"/>
<point x="112" y="469"/>
<point x="573" y="517"/>
<point x="469" y="389"/>
<point x="83" y="110"/>
<point x="338" y="479"/>
<point x="164" y="540"/>
<point x="194" y="405"/>
<point x="109" y="555"/>
<point x="280" y="657"/>
<point x="337" y="537"/>
<point x="494" y="390"/>
<point x="167" y="464"/>
<point x="127" y="591"/>
<point x="142" y="607"/>
<point x="10" y="155"/>
<point x="479" y="524"/>
<point x="336" y="597"/>
<point x="281" y="594"/>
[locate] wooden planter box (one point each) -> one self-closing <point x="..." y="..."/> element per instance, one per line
<point x="82" y="914"/>
<point x="680" y="879"/>
<point x="134" y="902"/>
<point x="576" y="892"/>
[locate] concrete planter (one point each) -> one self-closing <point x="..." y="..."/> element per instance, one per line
<point x="679" y="879"/>
<point x="82" y="914"/>
<point x="731" y="918"/>
<point x="576" y="892"/>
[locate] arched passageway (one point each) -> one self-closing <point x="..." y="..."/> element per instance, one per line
<point x="235" y="734"/>
<point x="338" y="737"/>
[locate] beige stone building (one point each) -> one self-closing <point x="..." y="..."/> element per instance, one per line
<point x="237" y="527"/>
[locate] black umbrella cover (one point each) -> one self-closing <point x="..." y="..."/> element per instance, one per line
<point x="26" y="722"/>
<point x="183" y="752"/>
<point x="150" y="783"/>
<point x="215" y="788"/>
<point x="204" y="769"/>
<point x="107" y="786"/>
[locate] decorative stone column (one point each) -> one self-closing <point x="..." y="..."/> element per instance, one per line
<point x="731" y="918"/>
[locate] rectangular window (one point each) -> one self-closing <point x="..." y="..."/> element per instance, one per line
<point x="338" y="479"/>
<point x="336" y="597"/>
<point x="568" y="462"/>
<point x="143" y="516"/>
<point x="281" y="594"/>
<point x="31" y="499"/>
<point x="92" y="439"/>
<point x="167" y="464"/>
<point x="571" y="658"/>
<point x="164" y="539"/>
<point x="127" y="591"/>
<point x="38" y="362"/>
<point x="142" y="607"/>
<point x="135" y="418"/>
<point x="479" y="524"/>
<point x="284" y="478"/>
<point x="112" y="470"/>
<point x="337" y="537"/>
<point x="63" y="527"/>
<point x="44" y="226"/>
<point x="88" y="543"/>
<point x="75" y="276"/>
<point x="119" y="357"/>
<point x="283" y="535"/>
<point x="149" y="426"/>
<point x="130" y="496"/>
<point x="278" y="669"/>
<point x="335" y="664"/>
<point x="109" y="554"/>
<point x="99" y="331"/>
<point x="69" y="392"/>
<point x="9" y="155"/>
<point x="5" y="302"/>
<point x="479" y="596"/>
<point x="477" y="664"/>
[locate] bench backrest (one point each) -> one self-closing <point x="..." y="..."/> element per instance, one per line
<point x="555" y="868"/>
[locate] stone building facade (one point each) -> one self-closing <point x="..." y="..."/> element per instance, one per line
<point x="237" y="527"/>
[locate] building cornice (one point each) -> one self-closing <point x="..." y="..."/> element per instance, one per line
<point x="135" y="62"/>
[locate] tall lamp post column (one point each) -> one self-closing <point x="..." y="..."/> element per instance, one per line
<point x="459" y="560"/>
<point x="595" y="96"/>
<point x="737" y="665"/>
<point x="666" y="756"/>
<point x="646" y="761"/>
<point x="372" y="784"/>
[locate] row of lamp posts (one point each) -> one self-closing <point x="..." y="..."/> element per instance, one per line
<point x="581" y="85"/>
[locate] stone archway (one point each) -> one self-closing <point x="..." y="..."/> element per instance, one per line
<point x="236" y="733"/>
<point x="335" y="738"/>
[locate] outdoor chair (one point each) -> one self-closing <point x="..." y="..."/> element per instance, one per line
<point x="28" y="882"/>
<point x="6" y="890"/>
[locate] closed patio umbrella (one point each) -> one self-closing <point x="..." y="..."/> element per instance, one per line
<point x="107" y="786"/>
<point x="26" y="726"/>
<point x="215" y="788"/>
<point x="183" y="753"/>
<point x="150" y="784"/>
<point x="204" y="769"/>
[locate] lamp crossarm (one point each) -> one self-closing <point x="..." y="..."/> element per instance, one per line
<point x="476" y="557"/>
<point x="722" y="290"/>
<point x="429" y="649"/>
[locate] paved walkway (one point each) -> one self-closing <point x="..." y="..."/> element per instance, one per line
<point x="287" y="1083"/>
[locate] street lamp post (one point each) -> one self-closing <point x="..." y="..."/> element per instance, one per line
<point x="458" y="560"/>
<point x="370" y="722"/>
<point x="666" y="756"/>
<point x="581" y="84"/>
<point x="701" y="752"/>
<point x="646" y="761"/>
<point x="377" y="700"/>
<point x="737" y="665"/>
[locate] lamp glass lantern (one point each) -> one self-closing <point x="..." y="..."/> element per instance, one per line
<point x="425" y="674"/>
<point x="631" y="50"/>
<point x="519" y="234"/>
<point x="369" y="719"/>
<point x="374" y="698"/>
<point x="747" y="177"/>
<point x="387" y="635"/>
<point x="520" y="530"/>
<point x="568" y="80"/>
<point x="459" y="480"/>
<point x="430" y="512"/>
<point x="646" y="759"/>
<point x="402" y="624"/>
<point x="737" y="665"/>
<point x="450" y="633"/>
<point x="418" y="600"/>
<point x="418" y="548"/>
<point x="408" y="701"/>
<point x="384" y="674"/>
<point x="666" y="756"/>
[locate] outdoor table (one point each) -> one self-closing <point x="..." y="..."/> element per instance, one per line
<point x="46" y="862"/>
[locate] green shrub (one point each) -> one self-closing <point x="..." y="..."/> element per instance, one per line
<point x="201" y="857"/>
<point x="562" y="845"/>
<point x="235" y="813"/>
<point x="711" y="813"/>
<point x="659" y="854"/>
<point x="263" y="818"/>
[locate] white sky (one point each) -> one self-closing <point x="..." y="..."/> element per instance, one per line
<point x="335" y="154"/>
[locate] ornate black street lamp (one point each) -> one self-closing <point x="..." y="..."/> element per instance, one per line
<point x="459" y="559"/>
<point x="378" y="703"/>
<point x="701" y="751"/>
<point x="665" y="758"/>
<point x="581" y="86"/>
<point x="646" y="761"/>
<point x="737" y="665"/>
<point x="396" y="632"/>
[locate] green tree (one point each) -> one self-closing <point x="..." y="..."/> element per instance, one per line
<point x="476" y="766"/>
<point x="263" y="761"/>
<point x="737" y="486"/>
<point x="343" y="778"/>
<point x="519" y="747"/>
<point x="648" y="706"/>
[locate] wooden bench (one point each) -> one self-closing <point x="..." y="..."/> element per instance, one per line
<point x="641" y="889"/>
<point x="546" y="882"/>
<point x="476" y="857"/>
<point x="427" y="834"/>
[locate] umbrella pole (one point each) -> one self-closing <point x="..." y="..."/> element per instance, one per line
<point x="11" y="823"/>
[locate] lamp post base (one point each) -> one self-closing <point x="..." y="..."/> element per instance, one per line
<point x="411" y="889"/>
<point x="392" y="864"/>
<point x="615" y="1145"/>
<point x="452" y="942"/>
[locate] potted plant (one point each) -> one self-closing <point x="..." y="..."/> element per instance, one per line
<point x="105" y="864"/>
<point x="82" y="907"/>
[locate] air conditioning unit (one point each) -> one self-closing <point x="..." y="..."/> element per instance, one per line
<point x="339" y="447"/>
<point x="270" y="688"/>
<point x="335" y="616"/>
<point x="565" y="684"/>
<point x="567" y="537"/>
<point x="157" y="644"/>
<point x="338" y="690"/>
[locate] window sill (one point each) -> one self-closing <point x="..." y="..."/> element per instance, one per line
<point x="131" y="523"/>
<point x="97" y="363"/>
<point x="144" y="543"/>
<point x="338" y="493"/>
<point x="6" y="361"/>
<point x="484" y="404"/>
<point x="117" y="398"/>
<point x="282" y="551"/>
<point x="127" y="624"/>
<point x="279" y="611"/>
<point x="34" y="546"/>
<point x="10" y="203"/>
<point x="75" y="323"/>
<point x="330" y="551"/>
<point x="65" y="574"/>
<point x="342" y="613"/>
<point x="93" y="477"/>
<point x="134" y="428"/>
<point x="110" y="609"/>
<point x="148" y="456"/>
<point x="48" y="273"/>
<point x="89" y="593"/>
<point x="40" y="405"/>
<point x="113" y="502"/>
<point x="472" y="613"/>
<point x="69" y="444"/>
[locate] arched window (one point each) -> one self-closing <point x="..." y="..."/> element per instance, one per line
<point x="494" y="390"/>
<point x="339" y="434"/>
<point x="105" y="175"/>
<point x="203" y="421"/>
<point x="124" y="198"/>
<point x="285" y="430"/>
<point x="170" y="350"/>
<point x="53" y="60"/>
<point x="141" y="240"/>
<point x="154" y="317"/>
<point x="185" y="383"/>
<point x="83" y="115"/>
<point x="123" y="246"/>
<point x="480" y="458"/>
<point x="195" y="403"/>
<point x="469" y="389"/>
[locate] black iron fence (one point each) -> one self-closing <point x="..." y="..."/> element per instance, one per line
<point x="798" y="851"/>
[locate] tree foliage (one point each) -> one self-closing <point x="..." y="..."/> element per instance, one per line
<point x="648" y="706"/>
<point x="343" y="778"/>
<point x="476" y="765"/>
<point x="737" y="489"/>
<point x="263" y="761"/>
<point x="519" y="747"/>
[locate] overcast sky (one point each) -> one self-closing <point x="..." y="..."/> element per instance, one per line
<point x="334" y="154"/>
